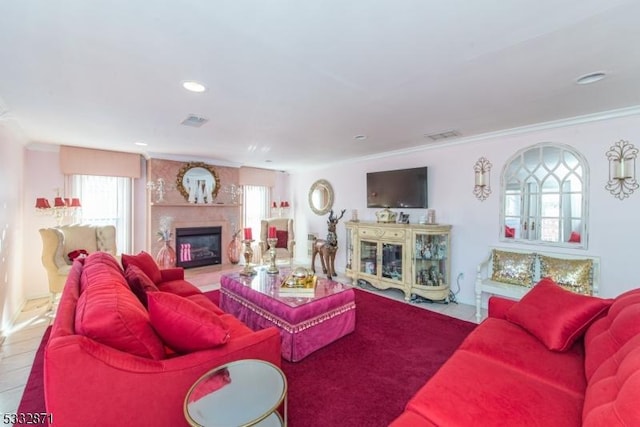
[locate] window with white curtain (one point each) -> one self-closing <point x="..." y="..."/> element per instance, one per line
<point x="106" y="200"/>
<point x="256" y="207"/>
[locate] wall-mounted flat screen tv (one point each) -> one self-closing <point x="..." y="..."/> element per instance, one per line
<point x="403" y="188"/>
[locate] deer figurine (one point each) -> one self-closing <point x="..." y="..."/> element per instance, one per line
<point x="327" y="248"/>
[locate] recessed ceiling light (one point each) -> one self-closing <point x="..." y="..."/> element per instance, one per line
<point x="360" y="137"/>
<point x="590" y="78"/>
<point x="141" y="144"/>
<point x="193" y="86"/>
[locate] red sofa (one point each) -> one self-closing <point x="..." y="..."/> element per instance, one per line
<point x="505" y="374"/>
<point x="108" y="361"/>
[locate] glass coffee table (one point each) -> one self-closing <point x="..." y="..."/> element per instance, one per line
<point x="241" y="393"/>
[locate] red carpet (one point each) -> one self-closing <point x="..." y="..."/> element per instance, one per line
<point x="33" y="397"/>
<point x="363" y="379"/>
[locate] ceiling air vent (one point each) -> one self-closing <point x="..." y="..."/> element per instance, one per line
<point x="443" y="135"/>
<point x="194" y="121"/>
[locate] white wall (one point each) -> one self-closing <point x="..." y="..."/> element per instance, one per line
<point x="12" y="293"/>
<point x="613" y="226"/>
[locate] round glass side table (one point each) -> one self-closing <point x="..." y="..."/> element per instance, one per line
<point x="241" y="393"/>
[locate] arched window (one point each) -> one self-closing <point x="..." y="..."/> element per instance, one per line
<point x="544" y="196"/>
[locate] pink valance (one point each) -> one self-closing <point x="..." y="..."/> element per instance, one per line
<point x="88" y="161"/>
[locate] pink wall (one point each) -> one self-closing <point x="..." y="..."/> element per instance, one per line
<point x="42" y="178"/>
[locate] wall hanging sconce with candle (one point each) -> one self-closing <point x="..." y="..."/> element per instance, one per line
<point x="622" y="169"/>
<point x="280" y="212"/>
<point x="160" y="187"/>
<point x="482" y="185"/>
<point x="62" y="207"/>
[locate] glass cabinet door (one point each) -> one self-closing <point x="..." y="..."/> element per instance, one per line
<point x="392" y="261"/>
<point x="430" y="259"/>
<point x="368" y="257"/>
<point x="349" y="251"/>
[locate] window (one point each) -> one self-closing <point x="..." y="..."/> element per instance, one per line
<point x="544" y="197"/>
<point x="106" y="200"/>
<point x="256" y="207"/>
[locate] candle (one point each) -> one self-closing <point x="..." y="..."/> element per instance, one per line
<point x="621" y="170"/>
<point x="272" y="232"/>
<point x="479" y="179"/>
<point x="247" y="234"/>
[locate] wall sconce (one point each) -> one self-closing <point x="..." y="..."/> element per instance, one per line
<point x="61" y="208"/>
<point x="234" y="191"/>
<point x="482" y="187"/>
<point x="622" y="169"/>
<point x="160" y="188"/>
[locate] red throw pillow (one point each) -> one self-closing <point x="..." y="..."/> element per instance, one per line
<point x="283" y="238"/>
<point x="139" y="283"/>
<point x="146" y="263"/>
<point x="184" y="325"/>
<point x="110" y="314"/>
<point x="78" y="253"/>
<point x="509" y="231"/>
<point x="556" y="316"/>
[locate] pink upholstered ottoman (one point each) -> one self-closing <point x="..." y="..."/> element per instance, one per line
<point x="306" y="323"/>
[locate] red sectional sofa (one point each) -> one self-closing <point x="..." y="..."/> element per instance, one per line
<point x="552" y="359"/>
<point x="111" y="361"/>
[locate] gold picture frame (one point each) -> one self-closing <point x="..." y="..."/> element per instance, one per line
<point x="198" y="182"/>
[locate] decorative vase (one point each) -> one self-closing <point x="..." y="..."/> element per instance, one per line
<point x="166" y="257"/>
<point x="234" y="250"/>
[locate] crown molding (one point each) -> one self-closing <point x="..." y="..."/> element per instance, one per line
<point x="554" y="124"/>
<point x="186" y="158"/>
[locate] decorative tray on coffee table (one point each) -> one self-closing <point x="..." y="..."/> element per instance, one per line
<point x="299" y="282"/>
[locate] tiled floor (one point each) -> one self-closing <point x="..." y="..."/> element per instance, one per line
<point x="19" y="348"/>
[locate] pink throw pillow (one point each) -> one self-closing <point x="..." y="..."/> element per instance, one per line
<point x="139" y="283"/>
<point x="283" y="238"/>
<point x="184" y="325"/>
<point x="146" y="263"/>
<point x="556" y="316"/>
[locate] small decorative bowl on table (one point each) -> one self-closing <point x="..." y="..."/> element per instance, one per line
<point x="300" y="281"/>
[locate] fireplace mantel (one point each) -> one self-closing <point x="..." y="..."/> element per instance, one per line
<point x="199" y="205"/>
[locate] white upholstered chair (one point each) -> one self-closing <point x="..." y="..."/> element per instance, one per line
<point x="58" y="242"/>
<point x="286" y="239"/>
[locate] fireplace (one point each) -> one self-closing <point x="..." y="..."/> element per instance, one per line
<point x="198" y="246"/>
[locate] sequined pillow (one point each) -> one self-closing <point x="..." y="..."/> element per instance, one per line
<point x="513" y="268"/>
<point x="575" y="275"/>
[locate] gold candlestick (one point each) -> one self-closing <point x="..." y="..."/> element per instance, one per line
<point x="272" y="255"/>
<point x="248" y="256"/>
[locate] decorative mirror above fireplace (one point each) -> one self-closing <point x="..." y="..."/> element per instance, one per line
<point x="198" y="182"/>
